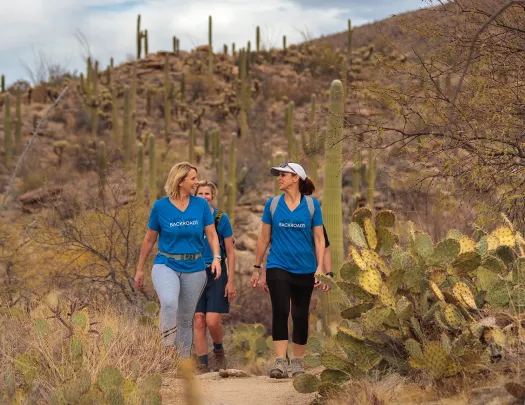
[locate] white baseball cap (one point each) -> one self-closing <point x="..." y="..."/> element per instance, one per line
<point x="286" y="167"/>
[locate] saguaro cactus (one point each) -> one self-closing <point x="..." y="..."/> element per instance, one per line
<point x="313" y="139"/>
<point x="2" y="84"/>
<point x="332" y="193"/>
<point x="284" y="43"/>
<point x="232" y="178"/>
<point x="114" y="114"/>
<point x="126" y="131"/>
<point x="8" y="137"/>
<point x="220" y="178"/>
<point x="167" y="102"/>
<point x="257" y="39"/>
<point x="356" y="171"/>
<point x="152" y="169"/>
<point x="349" y="41"/>
<point x="289" y="130"/>
<point x="371" y="179"/>
<point x="146" y="43"/>
<point x="94" y="101"/>
<point x="102" y="168"/>
<point x="139" y="38"/>
<point x="210" y="45"/>
<point x="278" y="158"/>
<point x="18" y="124"/>
<point x="140" y="173"/>
<point x="191" y="140"/>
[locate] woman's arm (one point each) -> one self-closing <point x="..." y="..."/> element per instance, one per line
<point x="147" y="244"/>
<point x="262" y="245"/>
<point x="213" y="240"/>
<point x="230" y="254"/>
<point x="319" y="249"/>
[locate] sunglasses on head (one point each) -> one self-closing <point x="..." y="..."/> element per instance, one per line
<point x="285" y="164"/>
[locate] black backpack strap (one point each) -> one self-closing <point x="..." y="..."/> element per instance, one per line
<point x="217" y="219"/>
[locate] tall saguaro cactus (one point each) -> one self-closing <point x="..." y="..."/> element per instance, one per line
<point x="146" y="43"/>
<point x="278" y="158"/>
<point x="167" y="101"/>
<point x="332" y="193"/>
<point x="139" y="38"/>
<point x="126" y="131"/>
<point x="18" y="124"/>
<point x="114" y="114"/>
<point x="243" y="94"/>
<point x="2" y="84"/>
<point x="94" y="101"/>
<point x="220" y="178"/>
<point x="257" y="39"/>
<point x="191" y="139"/>
<point x="102" y="168"/>
<point x="349" y="41"/>
<point x="289" y="131"/>
<point x="152" y="169"/>
<point x="140" y="173"/>
<point x="232" y="178"/>
<point x="210" y="45"/>
<point x="313" y="139"/>
<point x="8" y="137"/>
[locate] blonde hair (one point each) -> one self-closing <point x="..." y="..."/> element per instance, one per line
<point x="177" y="175"/>
<point x="207" y="183"/>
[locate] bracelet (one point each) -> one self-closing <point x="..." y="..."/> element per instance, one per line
<point x="217" y="257"/>
<point x="256" y="266"/>
<point x="331" y="274"/>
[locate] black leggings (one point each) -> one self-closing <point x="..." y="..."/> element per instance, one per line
<point x="285" y="287"/>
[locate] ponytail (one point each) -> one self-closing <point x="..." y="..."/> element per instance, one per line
<point x="306" y="186"/>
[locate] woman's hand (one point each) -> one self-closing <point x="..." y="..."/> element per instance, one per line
<point x="139" y="279"/>
<point x="317" y="282"/>
<point x="262" y="282"/>
<point x="216" y="268"/>
<point x="255" y="279"/>
<point x="230" y="292"/>
<point x="326" y="287"/>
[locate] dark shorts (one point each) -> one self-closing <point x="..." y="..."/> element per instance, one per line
<point x="212" y="298"/>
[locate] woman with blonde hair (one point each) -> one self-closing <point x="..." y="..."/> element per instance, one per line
<point x="179" y="221"/>
<point x="219" y="293"/>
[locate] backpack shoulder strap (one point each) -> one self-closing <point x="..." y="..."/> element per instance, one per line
<point x="217" y="218"/>
<point x="273" y="204"/>
<point x="311" y="207"/>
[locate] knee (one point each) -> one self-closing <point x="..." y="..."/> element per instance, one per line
<point x="213" y="322"/>
<point x="169" y="304"/>
<point x="199" y="322"/>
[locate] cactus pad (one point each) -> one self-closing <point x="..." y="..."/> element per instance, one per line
<point x="466" y="244"/>
<point x="41" y="327"/>
<point x="454" y="234"/>
<point x="356" y="257"/>
<point x="151" y="307"/>
<point x="486" y="278"/>
<point x="353" y="329"/>
<point x="356" y="235"/>
<point x="437" y="292"/>
<point x="505" y="253"/>
<point x="386" y="240"/>
<point x="360" y="214"/>
<point x="109" y="378"/>
<point x="445" y="252"/>
<point x="463" y="294"/>
<point x="404" y="309"/>
<point x="349" y="271"/>
<point x="414" y="349"/>
<point x="334" y="362"/>
<point x="311" y="360"/>
<point x="372" y="259"/>
<point x="314" y="345"/>
<point x="80" y="320"/>
<point x="334" y="376"/>
<point x="370" y="233"/>
<point x="385" y="218"/>
<point x="353" y="291"/>
<point x="375" y="318"/>
<point x="466" y="262"/>
<point x="494" y="263"/>
<point x="306" y="383"/>
<point x="436" y="359"/>
<point x="453" y="316"/>
<point x="505" y="236"/>
<point x="370" y="280"/>
<point x="386" y="297"/>
<point x="424" y="245"/>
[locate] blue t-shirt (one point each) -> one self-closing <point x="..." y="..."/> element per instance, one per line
<point x="293" y="247"/>
<point x="181" y="232"/>
<point x="224" y="230"/>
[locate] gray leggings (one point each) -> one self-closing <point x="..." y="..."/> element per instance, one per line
<point x="178" y="294"/>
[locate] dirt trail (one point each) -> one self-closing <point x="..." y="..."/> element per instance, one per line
<point x="255" y="390"/>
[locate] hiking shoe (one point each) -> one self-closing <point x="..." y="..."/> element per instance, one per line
<point x="202" y="369"/>
<point x="280" y="369"/>
<point x="218" y="360"/>
<point x="297" y="367"/>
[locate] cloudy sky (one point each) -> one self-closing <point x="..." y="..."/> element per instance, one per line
<point x="32" y="30"/>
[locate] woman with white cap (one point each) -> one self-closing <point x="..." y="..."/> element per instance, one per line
<point x="293" y="223"/>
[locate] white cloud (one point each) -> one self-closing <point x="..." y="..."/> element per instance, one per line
<point x="49" y="27"/>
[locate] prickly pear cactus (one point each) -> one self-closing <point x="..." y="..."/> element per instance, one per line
<point x="421" y="305"/>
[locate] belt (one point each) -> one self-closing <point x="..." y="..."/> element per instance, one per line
<point x="183" y="256"/>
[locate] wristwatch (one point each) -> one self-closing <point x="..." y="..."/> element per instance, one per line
<point x="331" y="274"/>
<point x="218" y="257"/>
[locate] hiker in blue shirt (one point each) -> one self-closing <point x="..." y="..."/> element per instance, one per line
<point x="180" y="220"/>
<point x="293" y="222"/>
<point x="219" y="293"/>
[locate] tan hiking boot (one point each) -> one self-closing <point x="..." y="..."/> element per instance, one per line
<point x="218" y="360"/>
